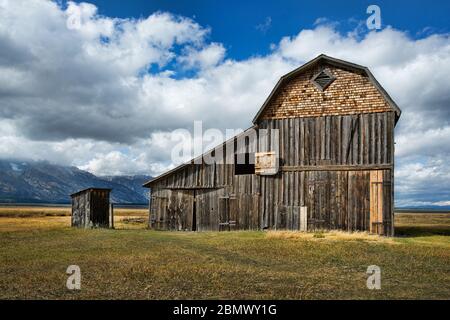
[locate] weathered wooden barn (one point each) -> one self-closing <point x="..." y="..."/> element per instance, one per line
<point x="323" y="151"/>
<point x="90" y="208"/>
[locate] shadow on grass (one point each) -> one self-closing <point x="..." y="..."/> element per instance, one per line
<point x="422" y="231"/>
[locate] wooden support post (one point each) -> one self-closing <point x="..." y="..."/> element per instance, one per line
<point x="303" y="219"/>
<point x="112" y="216"/>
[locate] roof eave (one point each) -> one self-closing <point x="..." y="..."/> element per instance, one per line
<point x="192" y="161"/>
<point x="88" y="189"/>
<point x="386" y="96"/>
<point x="280" y="82"/>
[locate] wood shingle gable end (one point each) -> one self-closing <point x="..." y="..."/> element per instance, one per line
<point x="326" y="61"/>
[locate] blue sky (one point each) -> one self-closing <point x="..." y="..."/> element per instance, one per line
<point x="235" y="23"/>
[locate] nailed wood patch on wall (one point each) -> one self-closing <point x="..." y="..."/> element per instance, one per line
<point x="266" y="163"/>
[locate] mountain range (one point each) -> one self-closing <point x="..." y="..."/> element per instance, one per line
<point x="44" y="182"/>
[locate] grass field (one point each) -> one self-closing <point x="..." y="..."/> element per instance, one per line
<point x="37" y="245"/>
<point x="24" y="212"/>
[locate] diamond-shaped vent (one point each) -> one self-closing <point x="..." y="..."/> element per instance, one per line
<point x="323" y="79"/>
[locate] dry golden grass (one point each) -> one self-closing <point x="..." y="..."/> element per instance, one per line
<point x="31" y="211"/>
<point x="42" y="218"/>
<point x="418" y="220"/>
<point x="39" y="224"/>
<point x="134" y="263"/>
<point x="34" y="211"/>
<point x="328" y="236"/>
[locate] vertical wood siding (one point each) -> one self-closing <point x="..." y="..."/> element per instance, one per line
<point x="335" y="198"/>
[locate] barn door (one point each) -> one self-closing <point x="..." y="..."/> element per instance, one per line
<point x="227" y="213"/>
<point x="281" y="213"/>
<point x="153" y="211"/>
<point x="180" y="210"/>
<point x="290" y="218"/>
<point x="158" y="214"/>
<point x="194" y="212"/>
<point x="376" y="202"/>
<point x="233" y="212"/>
<point x="224" y="213"/>
<point x="318" y="200"/>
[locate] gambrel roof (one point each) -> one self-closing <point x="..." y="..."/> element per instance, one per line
<point x="332" y="61"/>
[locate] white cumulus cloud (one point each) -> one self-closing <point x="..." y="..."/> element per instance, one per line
<point x="104" y="93"/>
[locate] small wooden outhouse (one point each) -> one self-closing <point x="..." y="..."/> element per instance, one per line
<point x="90" y="208"/>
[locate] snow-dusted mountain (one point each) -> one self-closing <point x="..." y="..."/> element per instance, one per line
<point x="42" y="182"/>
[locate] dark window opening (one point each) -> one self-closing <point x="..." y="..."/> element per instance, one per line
<point x="244" y="163"/>
<point x="194" y="216"/>
<point x="323" y="79"/>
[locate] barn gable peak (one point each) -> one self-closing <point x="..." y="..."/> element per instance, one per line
<point x="320" y="72"/>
